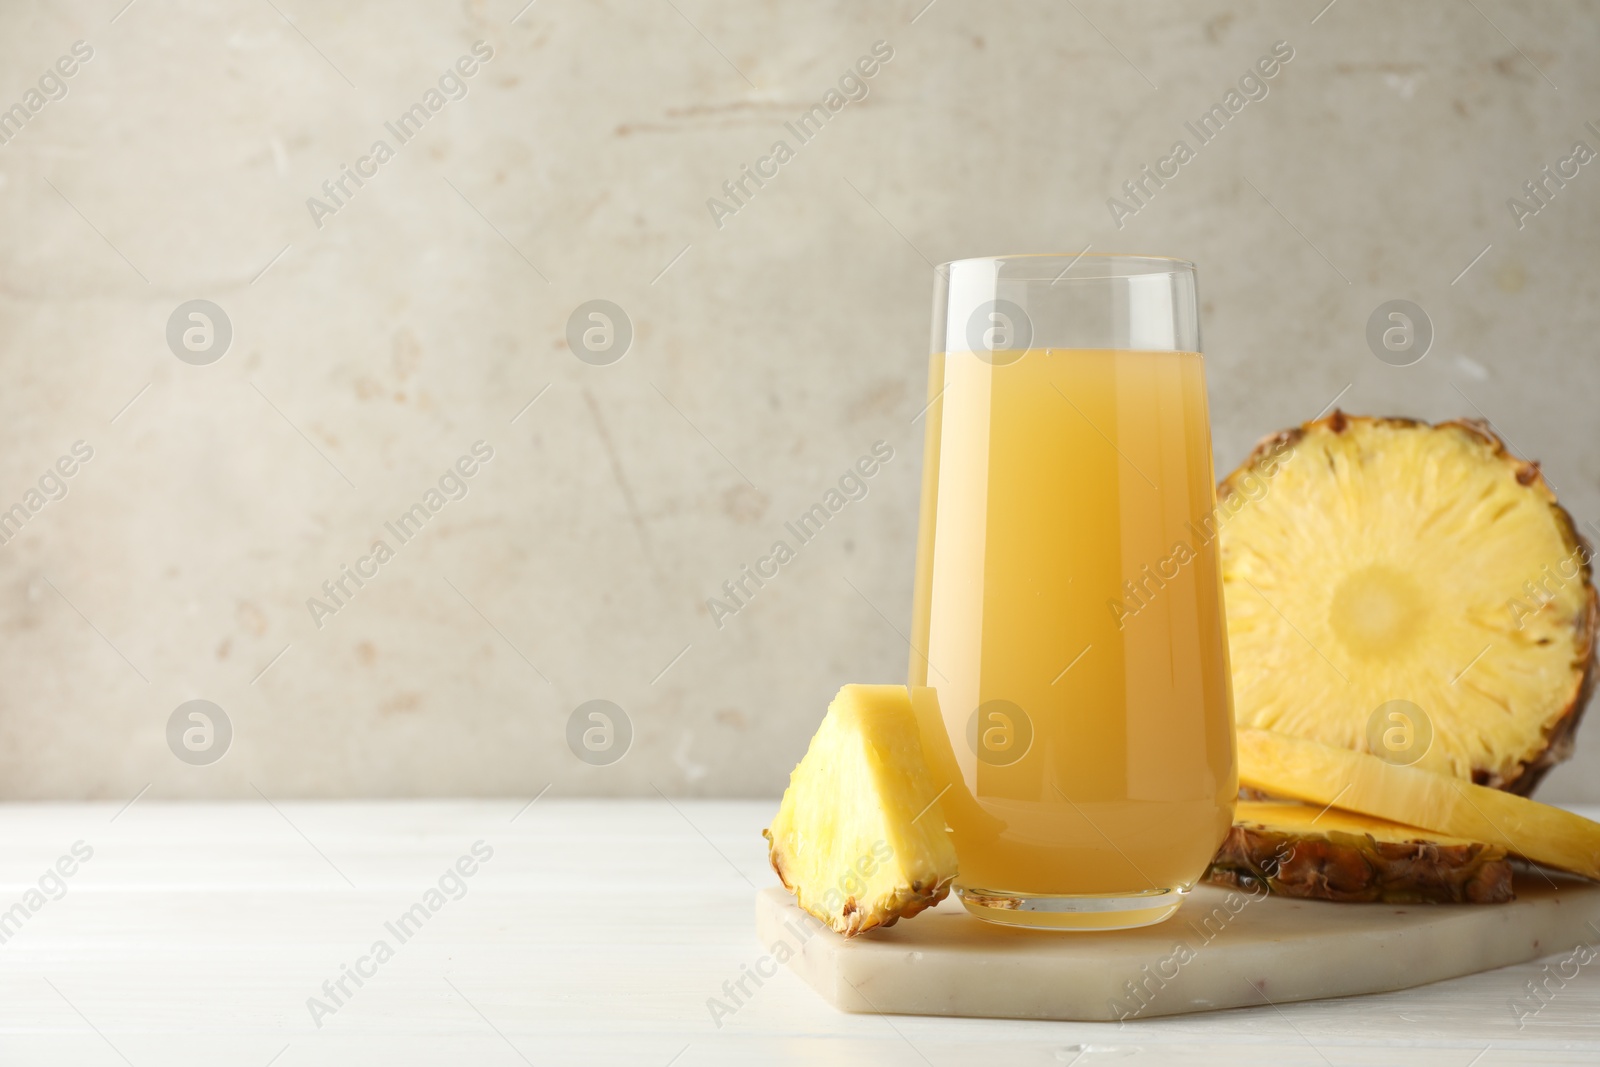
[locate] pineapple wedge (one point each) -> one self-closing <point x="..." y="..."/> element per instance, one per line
<point x="1295" y="850"/>
<point x="1375" y="560"/>
<point x="860" y="838"/>
<point x="1321" y="774"/>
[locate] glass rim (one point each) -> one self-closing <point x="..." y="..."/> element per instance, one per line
<point x="1105" y="261"/>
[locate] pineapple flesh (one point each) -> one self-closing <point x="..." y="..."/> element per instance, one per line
<point x="1295" y="850"/>
<point x="860" y="837"/>
<point x="1375" y="560"/>
<point x="1320" y="774"/>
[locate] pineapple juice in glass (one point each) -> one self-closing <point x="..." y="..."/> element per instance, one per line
<point x="1069" y="661"/>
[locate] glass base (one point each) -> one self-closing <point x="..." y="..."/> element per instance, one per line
<point x="1073" y="912"/>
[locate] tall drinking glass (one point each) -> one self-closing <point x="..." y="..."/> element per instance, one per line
<point x="1069" y="660"/>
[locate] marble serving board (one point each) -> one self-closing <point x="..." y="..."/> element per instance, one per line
<point x="1223" y="949"/>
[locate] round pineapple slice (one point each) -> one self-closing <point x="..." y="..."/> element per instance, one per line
<point x="1369" y="561"/>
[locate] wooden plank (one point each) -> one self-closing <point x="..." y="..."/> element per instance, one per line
<point x="600" y="932"/>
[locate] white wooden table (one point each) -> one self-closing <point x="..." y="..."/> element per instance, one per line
<point x="595" y="934"/>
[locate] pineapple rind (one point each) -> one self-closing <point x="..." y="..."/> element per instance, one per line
<point x="1316" y="773"/>
<point x="1296" y="850"/>
<point x="1457" y="528"/>
<point x="859" y="838"/>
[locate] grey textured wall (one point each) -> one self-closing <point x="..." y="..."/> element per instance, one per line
<point x="375" y="343"/>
